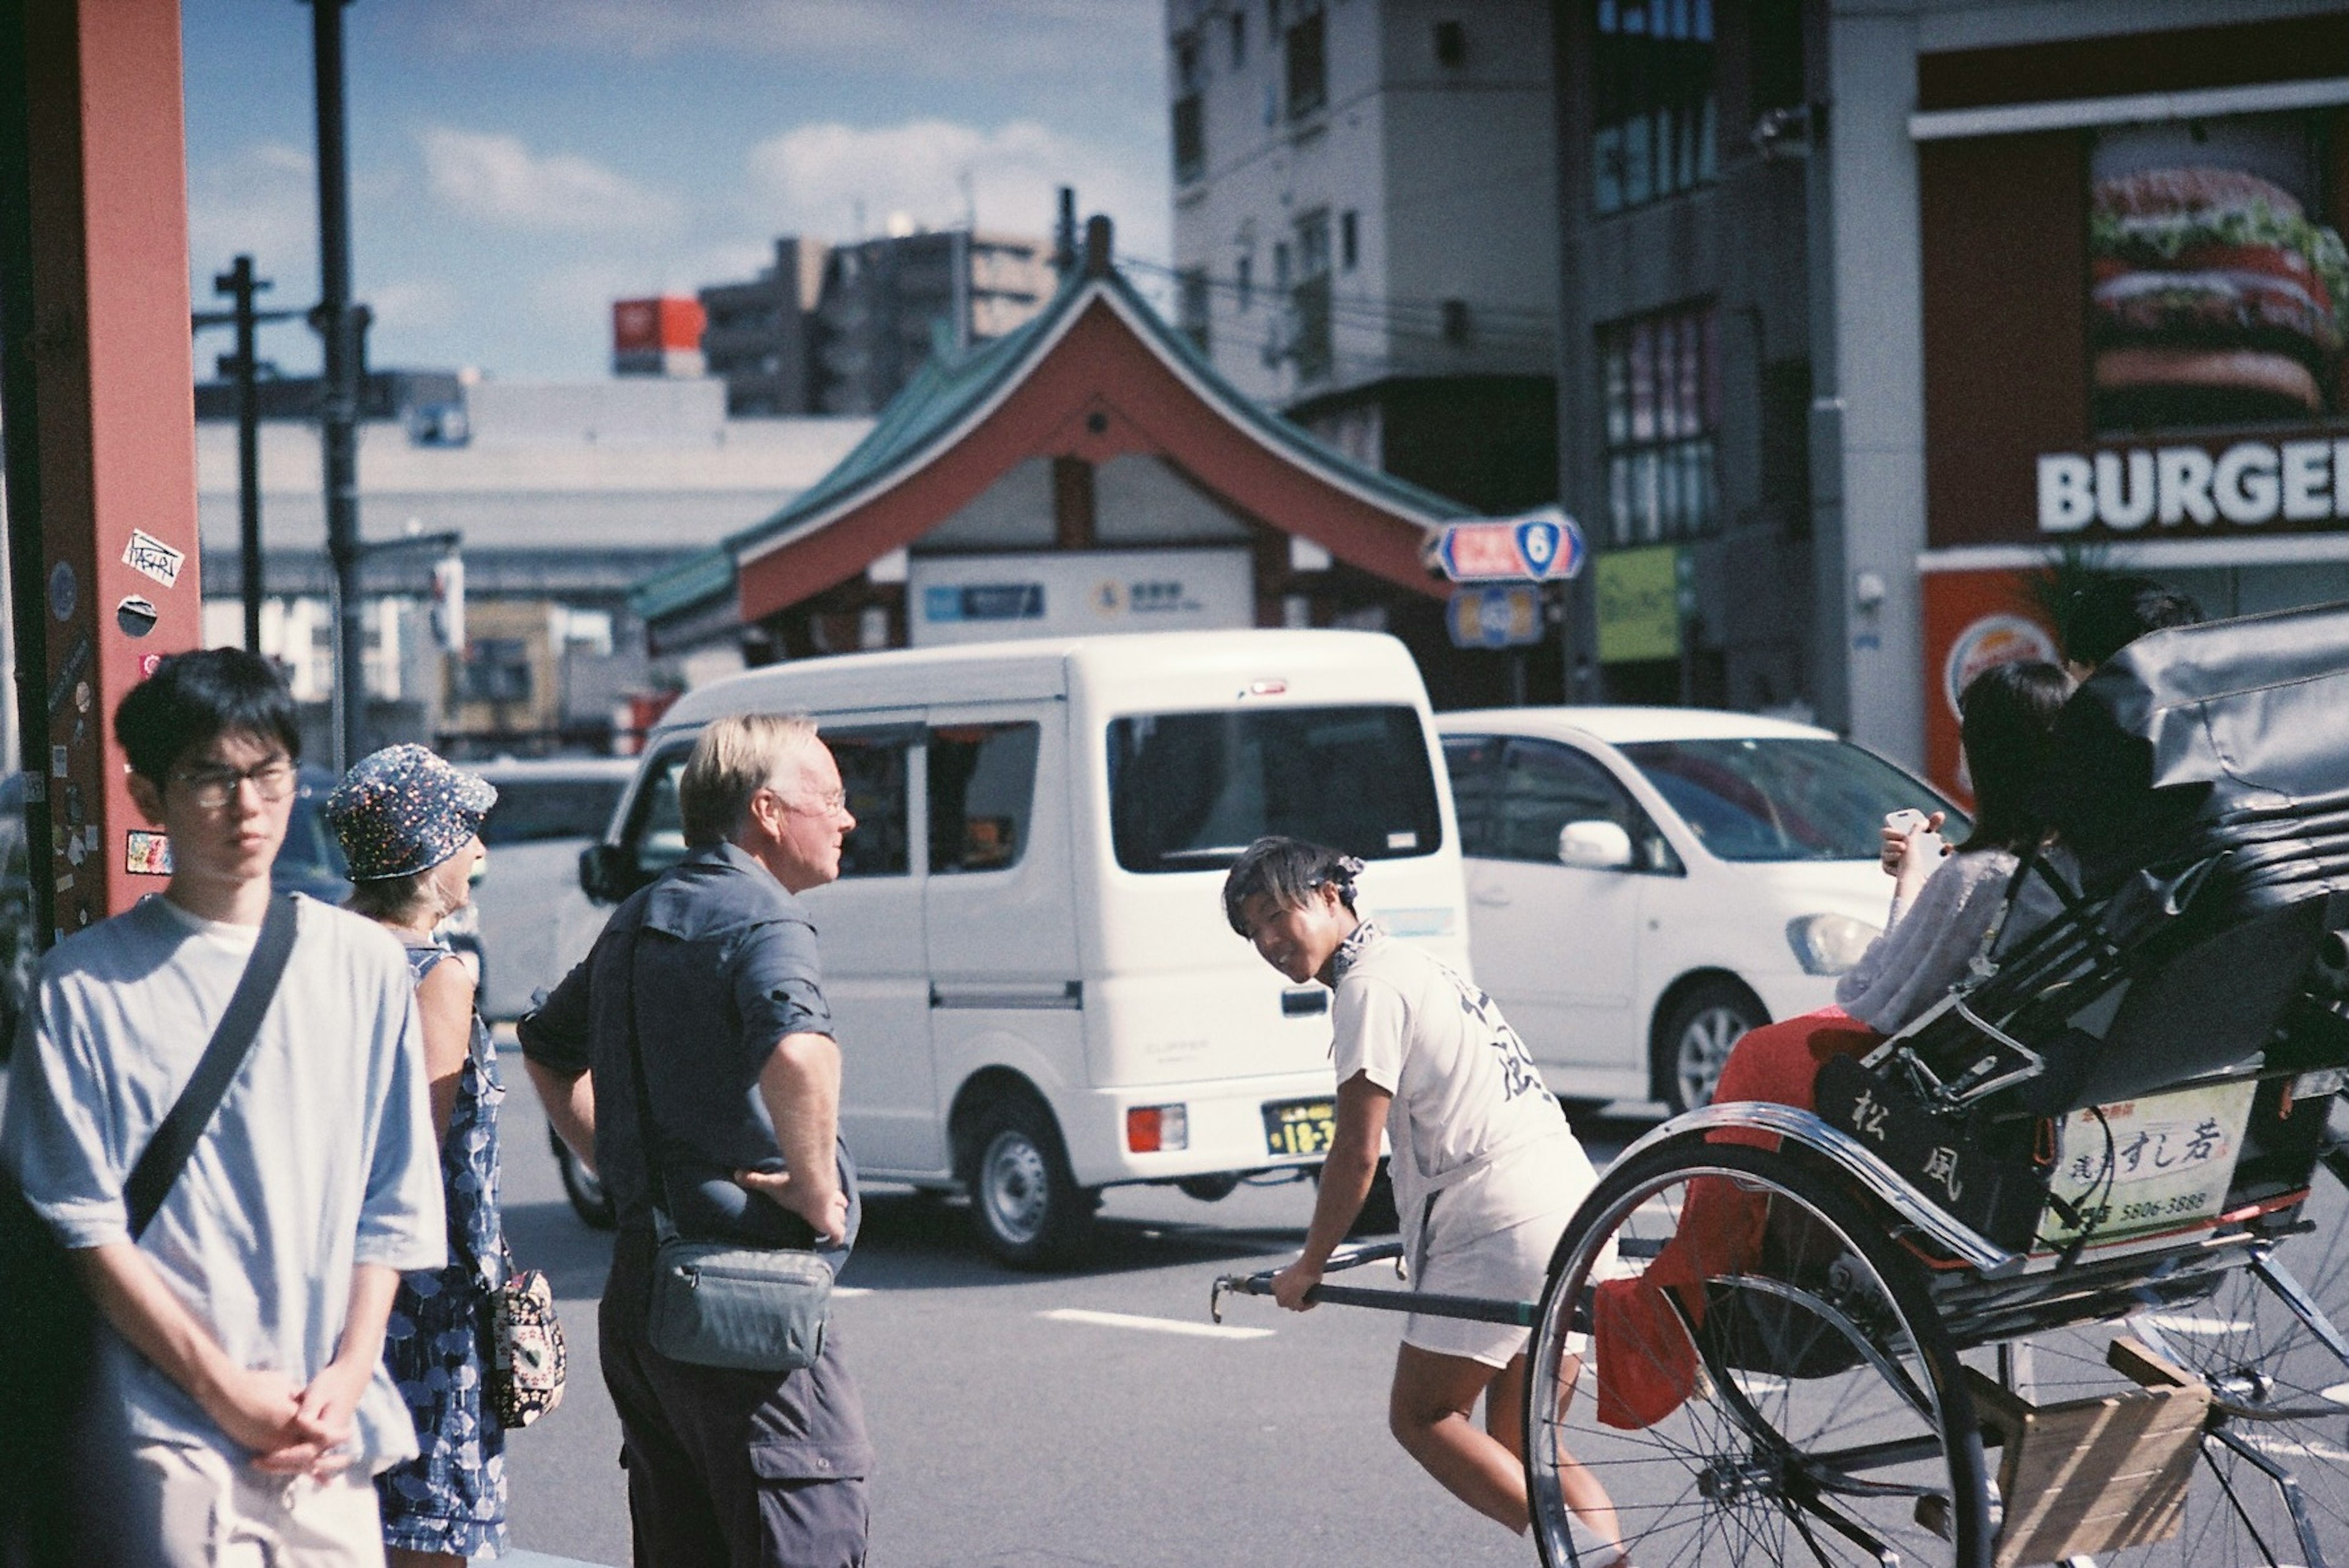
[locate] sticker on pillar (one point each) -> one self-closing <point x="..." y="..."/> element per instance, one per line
<point x="76" y="665"/>
<point x="83" y="696"/>
<point x="148" y="555"/>
<point x="57" y="769"/>
<point x="73" y="805"/>
<point x="148" y="664"/>
<point x="135" y="616"/>
<point x="147" y="853"/>
<point x="64" y="592"/>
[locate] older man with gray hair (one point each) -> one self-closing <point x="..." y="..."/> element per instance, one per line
<point x="703" y="990"/>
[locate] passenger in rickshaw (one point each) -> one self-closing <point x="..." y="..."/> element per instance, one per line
<point x="2107" y="614"/>
<point x="1948" y="907"/>
<point x="1486" y="1172"/>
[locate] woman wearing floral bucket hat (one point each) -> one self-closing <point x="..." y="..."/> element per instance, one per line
<point x="409" y="825"/>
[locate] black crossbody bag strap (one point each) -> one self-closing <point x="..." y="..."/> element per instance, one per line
<point x="166" y="1152"/>
<point x="654" y="1182"/>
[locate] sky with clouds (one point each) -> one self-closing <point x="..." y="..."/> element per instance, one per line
<point x="517" y="165"/>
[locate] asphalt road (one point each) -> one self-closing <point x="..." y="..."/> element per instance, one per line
<point x="1014" y="1435"/>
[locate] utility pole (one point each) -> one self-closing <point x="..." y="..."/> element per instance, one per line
<point x="342" y="328"/>
<point x="244" y="369"/>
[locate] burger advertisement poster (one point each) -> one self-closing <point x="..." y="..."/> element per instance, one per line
<point x="2218" y="305"/>
<point x="2135" y="333"/>
<point x="2217" y="295"/>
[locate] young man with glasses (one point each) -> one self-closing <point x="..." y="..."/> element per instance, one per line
<point x="708" y="979"/>
<point x="240" y="1405"/>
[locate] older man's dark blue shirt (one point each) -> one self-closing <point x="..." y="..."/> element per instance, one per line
<point x="711" y="966"/>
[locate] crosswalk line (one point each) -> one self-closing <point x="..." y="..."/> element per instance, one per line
<point x="1155" y="1324"/>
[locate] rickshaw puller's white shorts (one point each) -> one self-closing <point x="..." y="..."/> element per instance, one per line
<point x="1509" y="1263"/>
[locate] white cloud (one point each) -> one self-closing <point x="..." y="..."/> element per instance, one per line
<point x="261" y="201"/>
<point x="415" y="304"/>
<point x="496" y="178"/>
<point x="815" y="178"/>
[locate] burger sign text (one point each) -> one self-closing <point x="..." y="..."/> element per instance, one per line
<point x="2249" y="483"/>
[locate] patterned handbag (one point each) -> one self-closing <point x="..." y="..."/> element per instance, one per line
<point x="527" y="1359"/>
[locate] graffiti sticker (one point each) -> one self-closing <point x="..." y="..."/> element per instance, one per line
<point x="147" y="554"/>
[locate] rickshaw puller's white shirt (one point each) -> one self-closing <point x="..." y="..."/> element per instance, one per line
<point x="1471" y="1120"/>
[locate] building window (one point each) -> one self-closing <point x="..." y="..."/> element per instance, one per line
<point x="1451" y="45"/>
<point x="1190" y="139"/>
<point x="1239" y="39"/>
<point x="1280" y="268"/>
<point x="1308" y="299"/>
<point x="1191" y="304"/>
<point x="1652" y="130"/>
<point x="1659" y="384"/>
<point x="1349" y="241"/>
<point x="1246" y="281"/>
<point x="496" y="669"/>
<point x="1190" y="111"/>
<point x="1455" y="322"/>
<point x="1309" y="76"/>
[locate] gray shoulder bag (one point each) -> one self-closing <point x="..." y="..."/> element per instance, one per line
<point x="714" y="1304"/>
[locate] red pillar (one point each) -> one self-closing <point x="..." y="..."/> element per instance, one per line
<point x="99" y="412"/>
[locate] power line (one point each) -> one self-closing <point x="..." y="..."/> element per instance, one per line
<point x="1384" y="308"/>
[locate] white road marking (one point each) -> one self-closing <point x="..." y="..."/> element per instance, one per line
<point x="843" y="1292"/>
<point x="1155" y="1325"/>
<point x="2178" y="1323"/>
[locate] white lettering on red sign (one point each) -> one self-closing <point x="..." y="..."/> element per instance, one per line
<point x="2249" y="484"/>
<point x="1486" y="550"/>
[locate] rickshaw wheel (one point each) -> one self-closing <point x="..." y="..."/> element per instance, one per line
<point x="1828" y="1423"/>
<point x="2271" y="1487"/>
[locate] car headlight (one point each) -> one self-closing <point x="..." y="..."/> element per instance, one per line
<point x="1829" y="944"/>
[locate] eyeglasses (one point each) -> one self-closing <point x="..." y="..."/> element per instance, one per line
<point x="832" y="803"/>
<point x="211" y="787"/>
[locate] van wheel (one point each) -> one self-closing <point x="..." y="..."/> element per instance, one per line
<point x="1695" y="1039"/>
<point x="1030" y="1213"/>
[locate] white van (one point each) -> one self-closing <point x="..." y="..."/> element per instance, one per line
<point x="1035" y="990"/>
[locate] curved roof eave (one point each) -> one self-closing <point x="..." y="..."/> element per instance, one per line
<point x="688" y="585"/>
<point x="1406" y="502"/>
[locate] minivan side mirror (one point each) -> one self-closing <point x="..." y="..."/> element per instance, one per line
<point x="1595" y="846"/>
<point x="604" y="873"/>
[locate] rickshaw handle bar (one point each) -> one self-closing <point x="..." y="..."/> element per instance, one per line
<point x="1475" y="1308"/>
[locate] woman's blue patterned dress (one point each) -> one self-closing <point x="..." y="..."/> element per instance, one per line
<point x="452" y="1497"/>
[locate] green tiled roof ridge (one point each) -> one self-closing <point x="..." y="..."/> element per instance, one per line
<point x="943" y="391"/>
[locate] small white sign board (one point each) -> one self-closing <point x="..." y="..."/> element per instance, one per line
<point x="992" y="598"/>
<point x="2156" y="1164"/>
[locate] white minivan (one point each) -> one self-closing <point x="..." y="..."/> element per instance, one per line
<point x="1035" y="990"/>
<point x="1646" y="884"/>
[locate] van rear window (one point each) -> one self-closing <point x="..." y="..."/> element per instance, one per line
<point x="1188" y="792"/>
<point x="532" y="810"/>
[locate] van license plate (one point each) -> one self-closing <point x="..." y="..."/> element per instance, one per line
<point x="1300" y="1126"/>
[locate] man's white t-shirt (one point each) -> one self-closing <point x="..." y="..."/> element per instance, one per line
<point x="1471" y="1120"/>
<point x="322" y="1155"/>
